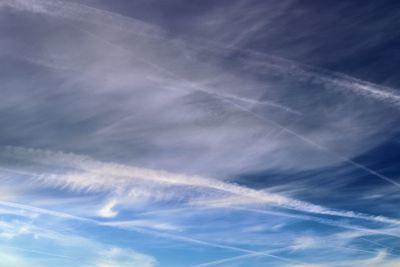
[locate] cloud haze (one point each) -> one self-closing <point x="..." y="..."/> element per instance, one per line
<point x="200" y="129"/>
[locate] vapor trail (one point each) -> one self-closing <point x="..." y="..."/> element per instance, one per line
<point x="39" y="252"/>
<point x="143" y="231"/>
<point x="240" y="257"/>
<point x="245" y="256"/>
<point x="110" y="176"/>
<point x="249" y="253"/>
<point x="304" y="217"/>
<point x="85" y="13"/>
<point x="298" y="70"/>
<point x="279" y="200"/>
<point x="228" y="99"/>
<point x="49" y="7"/>
<point x="44" y="211"/>
<point x="215" y="245"/>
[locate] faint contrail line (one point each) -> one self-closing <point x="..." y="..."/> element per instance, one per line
<point x="283" y="214"/>
<point x="264" y="119"/>
<point x="44" y="211"/>
<point x="73" y="10"/>
<point x="216" y="245"/>
<point x="248" y="252"/>
<point x="110" y="176"/>
<point x="240" y="257"/>
<point x="379" y="245"/>
<point x="363" y="86"/>
<point x="245" y="256"/>
<point x="373" y="91"/>
<point x="83" y="12"/>
<point x="40" y="252"/>
<point x="143" y="231"/>
<point x="221" y="96"/>
<point x="319" y="220"/>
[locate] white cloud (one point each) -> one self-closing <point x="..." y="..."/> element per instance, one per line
<point x="121" y="179"/>
<point x="107" y="210"/>
<point x="174" y="115"/>
<point x="61" y="236"/>
<point x="118" y="178"/>
<point x="116" y="257"/>
<point x="133" y="224"/>
<point x="205" y="113"/>
<point x="14" y="259"/>
<point x="305" y="242"/>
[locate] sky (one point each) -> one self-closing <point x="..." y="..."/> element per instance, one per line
<point x="199" y="133"/>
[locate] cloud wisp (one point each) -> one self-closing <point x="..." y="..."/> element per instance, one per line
<point x="209" y="97"/>
<point x="147" y="231"/>
<point x="322" y="77"/>
<point x="99" y="176"/>
<point x="243" y="133"/>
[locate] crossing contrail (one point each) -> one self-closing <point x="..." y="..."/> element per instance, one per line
<point x="144" y="231"/>
<point x="236" y="258"/>
<point x="283" y="128"/>
<point x="100" y="176"/>
<point x="49" y="7"/>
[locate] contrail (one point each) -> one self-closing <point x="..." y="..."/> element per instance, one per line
<point x="80" y="12"/>
<point x="111" y="176"/>
<point x="360" y="87"/>
<point x="329" y="151"/>
<point x="298" y="70"/>
<point x="295" y="204"/>
<point x="40" y="252"/>
<point x="85" y="13"/>
<point x="264" y="119"/>
<point x="215" y="245"/>
<point x="249" y="253"/>
<point x="143" y="231"/>
<point x="313" y="74"/>
<point x="241" y="257"/>
<point x="245" y="256"/>
<point x="221" y="96"/>
<point x="321" y="221"/>
<point x="44" y="211"/>
<point x="303" y="217"/>
<point x="357" y="85"/>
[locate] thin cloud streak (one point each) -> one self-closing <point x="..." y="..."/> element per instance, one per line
<point x="43" y="211"/>
<point x="83" y="12"/>
<point x="354" y="85"/>
<point x="145" y="231"/>
<point x="136" y="227"/>
<point x="168" y="125"/>
<point x="236" y="258"/>
<point x="235" y="101"/>
<point x="111" y="176"/>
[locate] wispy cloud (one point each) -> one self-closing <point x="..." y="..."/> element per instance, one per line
<point x="107" y="210"/>
<point x="137" y="227"/>
<point x="120" y="178"/>
<point x="116" y="257"/>
<point x="210" y="129"/>
<point x="193" y="102"/>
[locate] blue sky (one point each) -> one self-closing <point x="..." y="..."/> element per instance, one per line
<point x="199" y="133"/>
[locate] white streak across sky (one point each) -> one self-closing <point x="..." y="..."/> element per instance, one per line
<point x="200" y="133"/>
